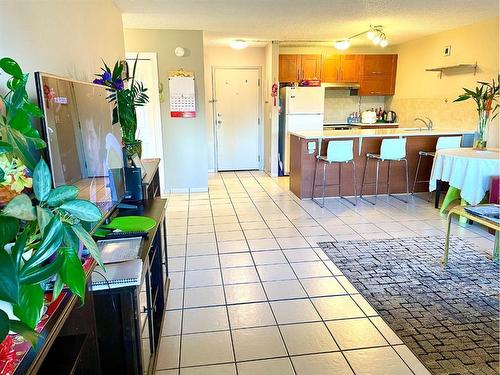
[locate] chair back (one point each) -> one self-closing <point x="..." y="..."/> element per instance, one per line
<point x="448" y="142"/>
<point x="393" y="149"/>
<point x="339" y="151"/>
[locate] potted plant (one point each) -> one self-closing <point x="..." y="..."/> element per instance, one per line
<point x="40" y="232"/>
<point x="486" y="98"/>
<point x="125" y="100"/>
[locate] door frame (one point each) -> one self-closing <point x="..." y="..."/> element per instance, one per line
<point x="158" y="131"/>
<point x="260" y="125"/>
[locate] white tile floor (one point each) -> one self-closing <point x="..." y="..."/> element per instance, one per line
<point x="251" y="293"/>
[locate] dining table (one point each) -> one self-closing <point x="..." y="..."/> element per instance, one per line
<point x="467" y="170"/>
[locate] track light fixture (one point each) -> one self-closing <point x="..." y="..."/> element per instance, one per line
<point x="374" y="33"/>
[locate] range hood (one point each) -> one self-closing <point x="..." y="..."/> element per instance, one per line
<point x="340" y="86"/>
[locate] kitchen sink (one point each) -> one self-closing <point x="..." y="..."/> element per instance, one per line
<point x="414" y="129"/>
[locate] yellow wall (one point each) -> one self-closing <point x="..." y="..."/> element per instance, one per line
<point x="421" y="93"/>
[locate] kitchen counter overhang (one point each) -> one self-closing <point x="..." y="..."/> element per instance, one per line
<point x="304" y="149"/>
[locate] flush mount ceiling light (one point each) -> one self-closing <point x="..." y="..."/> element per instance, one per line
<point x="238" y="44"/>
<point x="374" y="33"/>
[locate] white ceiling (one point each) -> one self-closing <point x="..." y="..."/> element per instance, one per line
<point x="223" y="20"/>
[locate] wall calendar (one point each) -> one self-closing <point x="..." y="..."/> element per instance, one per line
<point x="182" y="94"/>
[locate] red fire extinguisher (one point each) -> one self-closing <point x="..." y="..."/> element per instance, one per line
<point x="274" y="93"/>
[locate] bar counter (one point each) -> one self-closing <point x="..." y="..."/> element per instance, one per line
<point x="304" y="148"/>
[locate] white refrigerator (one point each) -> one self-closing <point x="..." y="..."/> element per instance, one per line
<point x="302" y="108"/>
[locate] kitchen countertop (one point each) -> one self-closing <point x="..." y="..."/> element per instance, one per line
<point x="375" y="133"/>
<point x="327" y="124"/>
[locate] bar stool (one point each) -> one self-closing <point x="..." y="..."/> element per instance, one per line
<point x="442" y="143"/>
<point x="337" y="152"/>
<point x="393" y="149"/>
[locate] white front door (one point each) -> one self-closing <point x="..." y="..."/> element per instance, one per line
<point x="237" y="118"/>
<point x="149" y="116"/>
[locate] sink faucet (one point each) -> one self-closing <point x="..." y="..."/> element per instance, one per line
<point x="427" y="123"/>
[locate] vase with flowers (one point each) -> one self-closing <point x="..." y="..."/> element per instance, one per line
<point x="486" y="97"/>
<point x="126" y="100"/>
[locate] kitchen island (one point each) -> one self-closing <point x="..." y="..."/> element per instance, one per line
<point x="304" y="148"/>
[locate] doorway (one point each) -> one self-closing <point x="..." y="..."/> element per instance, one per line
<point x="237" y="118"/>
<point x="149" y="116"/>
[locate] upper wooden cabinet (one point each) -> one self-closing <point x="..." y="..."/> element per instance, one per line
<point x="289" y="68"/>
<point x="293" y="68"/>
<point x="341" y="68"/>
<point x="376" y="74"/>
<point x="310" y="67"/>
<point x="379" y="75"/>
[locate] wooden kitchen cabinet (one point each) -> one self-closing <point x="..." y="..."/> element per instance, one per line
<point x="293" y="68"/>
<point x="310" y="67"/>
<point x="341" y="68"/>
<point x="378" y="75"/>
<point x="289" y="66"/>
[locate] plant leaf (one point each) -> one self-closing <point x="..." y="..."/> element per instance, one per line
<point x="70" y="239"/>
<point x="29" y="308"/>
<point x="9" y="66"/>
<point x="43" y="216"/>
<point x="72" y="272"/>
<point x="9" y="226"/>
<point x="19" y="246"/>
<point x="42" y="181"/>
<point x="88" y="242"/>
<point x="40" y="274"/>
<point x="83" y="210"/>
<point x="4" y="325"/>
<point x="62" y="194"/>
<point x="29" y="334"/>
<point x="20" y="207"/>
<point x="58" y="287"/>
<point x="5" y="147"/>
<point x="52" y="239"/>
<point x="9" y="284"/>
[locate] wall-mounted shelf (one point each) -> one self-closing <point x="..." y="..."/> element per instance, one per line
<point x="451" y="68"/>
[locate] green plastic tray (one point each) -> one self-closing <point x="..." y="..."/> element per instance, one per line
<point x="131" y="223"/>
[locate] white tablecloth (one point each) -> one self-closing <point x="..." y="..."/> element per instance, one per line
<point x="466" y="169"/>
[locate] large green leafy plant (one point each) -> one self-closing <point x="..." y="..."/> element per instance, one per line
<point x="125" y="100"/>
<point x="40" y="235"/>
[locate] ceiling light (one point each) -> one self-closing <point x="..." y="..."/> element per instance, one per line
<point x="342" y="44"/>
<point x="370" y="35"/>
<point x="383" y="43"/>
<point x="238" y="44"/>
<point x="376" y="39"/>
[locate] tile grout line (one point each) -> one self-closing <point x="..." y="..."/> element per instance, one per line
<point x="349" y="294"/>
<point x="260" y="279"/>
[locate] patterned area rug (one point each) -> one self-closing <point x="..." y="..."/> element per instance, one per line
<point x="448" y="316"/>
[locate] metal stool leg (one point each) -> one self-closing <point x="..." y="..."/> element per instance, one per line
<point x="354" y="182"/>
<point x="314" y="179"/>
<point x="376" y="180"/>
<point x="416" y="173"/>
<point x="389" y="179"/>
<point x="324" y="183"/>
<point x="363" y="179"/>
<point x="406" y="175"/>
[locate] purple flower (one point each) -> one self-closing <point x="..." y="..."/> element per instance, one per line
<point x="106" y="76"/>
<point x="98" y="81"/>
<point x="118" y="84"/>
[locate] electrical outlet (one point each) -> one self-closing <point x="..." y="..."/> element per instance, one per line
<point x="447" y="51"/>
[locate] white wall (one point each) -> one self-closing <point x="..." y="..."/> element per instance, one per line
<point x="65" y="38"/>
<point x="184" y="139"/>
<point x="226" y="57"/>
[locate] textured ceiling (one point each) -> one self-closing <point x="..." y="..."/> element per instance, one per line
<point x="305" y="19"/>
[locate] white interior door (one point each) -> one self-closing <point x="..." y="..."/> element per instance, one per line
<point x="149" y="116"/>
<point x="237" y="118"/>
